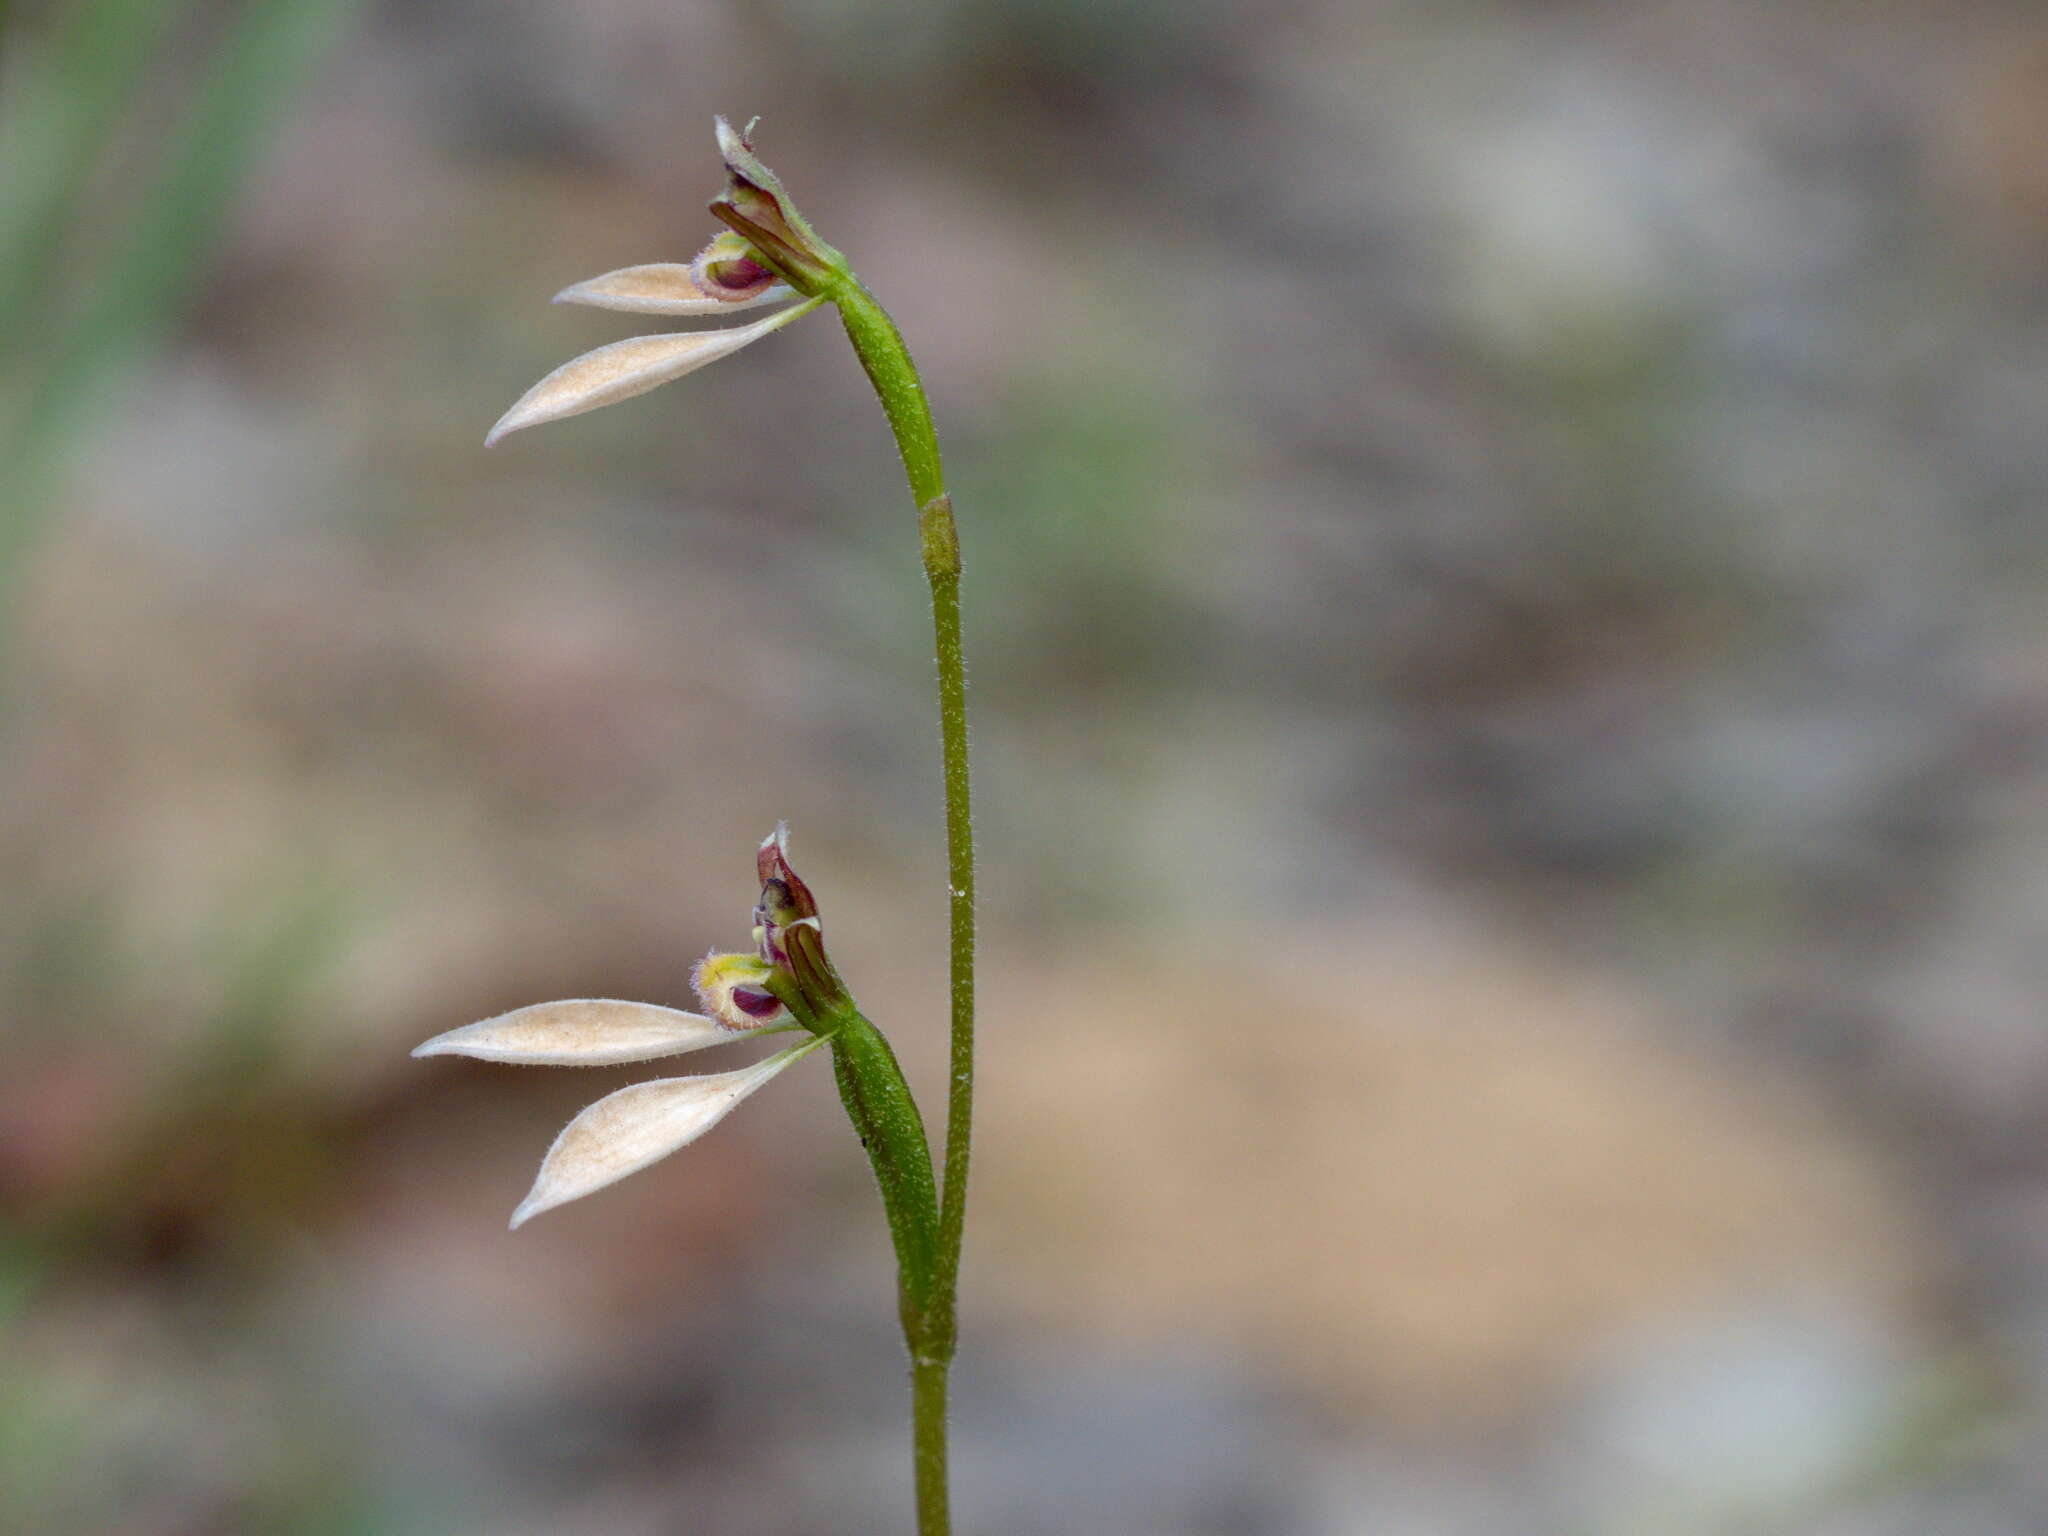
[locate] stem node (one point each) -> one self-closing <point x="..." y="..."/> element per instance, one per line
<point x="941" y="537"/>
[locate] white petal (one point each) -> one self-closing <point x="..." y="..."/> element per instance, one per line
<point x="632" y="367"/>
<point x="624" y="1132"/>
<point x="661" y="288"/>
<point x="582" y="1032"/>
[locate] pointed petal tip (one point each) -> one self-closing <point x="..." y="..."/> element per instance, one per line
<point x="523" y="414"/>
<point x="536" y="1201"/>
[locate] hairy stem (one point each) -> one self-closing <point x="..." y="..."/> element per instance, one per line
<point x="928" y="1452"/>
<point x="882" y="353"/>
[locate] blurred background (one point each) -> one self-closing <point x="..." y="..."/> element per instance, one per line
<point x="1509" y="601"/>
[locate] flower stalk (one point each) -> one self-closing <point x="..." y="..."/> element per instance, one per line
<point x="886" y="359"/>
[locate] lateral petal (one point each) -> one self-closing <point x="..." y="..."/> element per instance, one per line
<point x="661" y="288"/>
<point x="581" y="1032"/>
<point x="631" y="367"/>
<point x="626" y="1131"/>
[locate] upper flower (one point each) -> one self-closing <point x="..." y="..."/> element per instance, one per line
<point x="755" y="206"/>
<point x="769" y="256"/>
<point x="627" y="1130"/>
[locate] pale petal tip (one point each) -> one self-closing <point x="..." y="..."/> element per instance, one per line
<point x="537" y="1199"/>
<point x="589" y="291"/>
<point x="518" y="419"/>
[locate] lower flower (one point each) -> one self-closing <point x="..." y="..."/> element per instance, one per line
<point x="626" y="1131"/>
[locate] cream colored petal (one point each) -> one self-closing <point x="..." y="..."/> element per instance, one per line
<point x="662" y="288"/>
<point x="632" y="367"/>
<point x="624" y="1132"/>
<point x="582" y="1032"/>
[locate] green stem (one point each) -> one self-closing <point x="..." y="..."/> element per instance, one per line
<point x="882" y="353"/>
<point x="928" y="1452"/>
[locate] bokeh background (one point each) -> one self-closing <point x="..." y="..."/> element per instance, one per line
<point x="1509" y="598"/>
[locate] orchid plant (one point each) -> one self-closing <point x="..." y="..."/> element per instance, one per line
<point x="768" y="254"/>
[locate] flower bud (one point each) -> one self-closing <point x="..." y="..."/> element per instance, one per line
<point x="733" y="990"/>
<point x="785" y="899"/>
<point x="756" y="208"/>
<point x="787" y="932"/>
